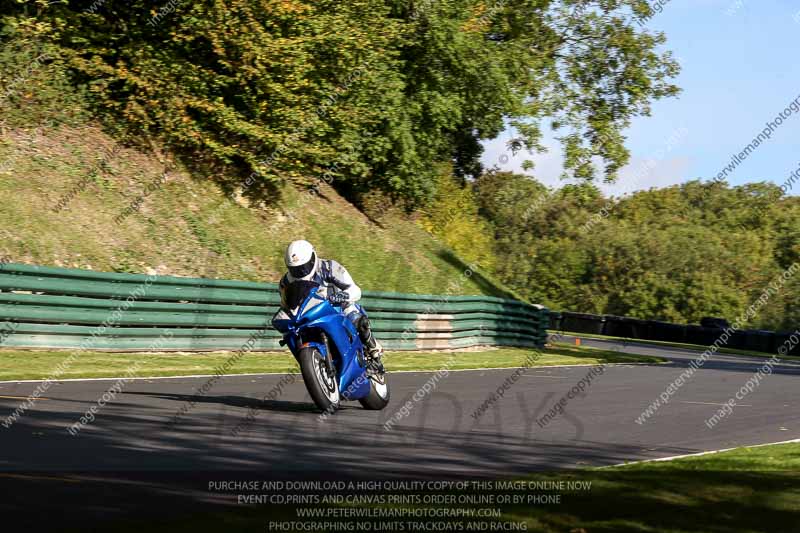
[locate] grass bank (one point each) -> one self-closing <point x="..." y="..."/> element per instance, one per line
<point x="183" y="223"/>
<point x="82" y="198"/>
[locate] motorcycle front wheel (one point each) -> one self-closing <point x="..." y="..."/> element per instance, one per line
<point x="322" y="385"/>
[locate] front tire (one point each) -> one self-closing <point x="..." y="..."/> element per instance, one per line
<point x="378" y="397"/>
<point x="323" y="387"/>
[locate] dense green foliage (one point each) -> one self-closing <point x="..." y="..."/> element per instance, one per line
<point x="378" y="90"/>
<point x="677" y="254"/>
<point x="390" y="99"/>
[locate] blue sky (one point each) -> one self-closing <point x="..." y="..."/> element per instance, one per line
<point x="741" y="68"/>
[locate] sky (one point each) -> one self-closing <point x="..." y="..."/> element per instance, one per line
<point x="740" y="68"/>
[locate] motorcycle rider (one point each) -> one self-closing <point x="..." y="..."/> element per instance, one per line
<point x="303" y="263"/>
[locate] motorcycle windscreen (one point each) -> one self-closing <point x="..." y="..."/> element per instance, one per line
<point x="296" y="293"/>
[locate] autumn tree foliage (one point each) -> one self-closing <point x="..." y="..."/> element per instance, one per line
<point x="383" y="91"/>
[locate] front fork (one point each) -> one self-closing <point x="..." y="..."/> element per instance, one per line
<point x="328" y="355"/>
<point x="327" y="358"/>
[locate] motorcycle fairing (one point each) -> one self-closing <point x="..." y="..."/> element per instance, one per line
<point x="316" y="312"/>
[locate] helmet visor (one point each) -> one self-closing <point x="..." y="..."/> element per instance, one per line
<point x="305" y="269"/>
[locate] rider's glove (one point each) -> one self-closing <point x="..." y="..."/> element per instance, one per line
<point x="338" y="298"/>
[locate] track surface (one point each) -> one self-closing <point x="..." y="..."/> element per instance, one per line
<point x="439" y="438"/>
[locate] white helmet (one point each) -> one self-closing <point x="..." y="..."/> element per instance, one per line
<point x="301" y="260"/>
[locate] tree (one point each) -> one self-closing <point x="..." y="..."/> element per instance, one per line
<point x="452" y="216"/>
<point x="379" y="91"/>
<point x="676" y="254"/>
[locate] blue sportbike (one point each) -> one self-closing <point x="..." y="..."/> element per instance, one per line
<point x="328" y="349"/>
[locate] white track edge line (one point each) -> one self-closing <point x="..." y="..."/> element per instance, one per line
<point x="699" y="454"/>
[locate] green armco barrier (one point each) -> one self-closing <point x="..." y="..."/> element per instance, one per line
<point x="64" y="308"/>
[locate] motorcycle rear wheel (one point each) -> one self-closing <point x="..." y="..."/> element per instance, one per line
<point x="323" y="387"/>
<point x="378" y="397"/>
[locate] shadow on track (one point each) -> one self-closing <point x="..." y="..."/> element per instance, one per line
<point x="236" y="401"/>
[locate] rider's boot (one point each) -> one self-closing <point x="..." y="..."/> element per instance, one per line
<point x="374" y="348"/>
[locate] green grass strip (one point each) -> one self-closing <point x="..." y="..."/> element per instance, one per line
<point x="23" y="364"/>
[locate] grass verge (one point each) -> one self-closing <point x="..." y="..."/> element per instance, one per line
<point x="40" y="365"/>
<point x="744" y="490"/>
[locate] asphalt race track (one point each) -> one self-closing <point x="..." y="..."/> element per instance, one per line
<point x="439" y="438"/>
